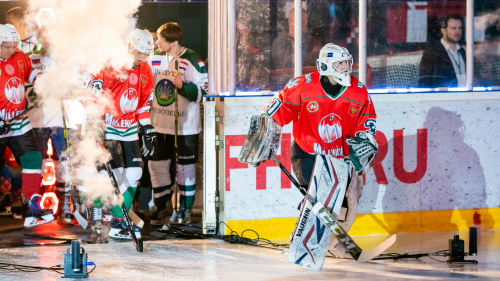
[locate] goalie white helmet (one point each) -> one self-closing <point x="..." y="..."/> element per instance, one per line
<point x="330" y="63"/>
<point x="8" y="34"/>
<point x="142" y="41"/>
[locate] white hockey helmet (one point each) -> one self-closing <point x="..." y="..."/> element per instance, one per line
<point x="142" y="41"/>
<point x="8" y="34"/>
<point x="329" y="63"/>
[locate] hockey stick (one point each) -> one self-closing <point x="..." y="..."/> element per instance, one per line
<point x="176" y="150"/>
<point x="324" y="215"/>
<point x="130" y="225"/>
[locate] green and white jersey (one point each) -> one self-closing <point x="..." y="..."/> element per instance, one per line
<point x="195" y="86"/>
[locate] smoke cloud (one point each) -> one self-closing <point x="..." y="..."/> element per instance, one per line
<point x="82" y="36"/>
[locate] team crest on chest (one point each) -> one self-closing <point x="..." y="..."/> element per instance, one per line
<point x="164" y="91"/>
<point x="330" y="128"/>
<point x="129" y="101"/>
<point x="312" y="106"/>
<point x="14" y="90"/>
<point x="353" y="109"/>
<point x="133" y="79"/>
<point x="9" y="69"/>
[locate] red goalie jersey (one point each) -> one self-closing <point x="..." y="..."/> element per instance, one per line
<point x="322" y="121"/>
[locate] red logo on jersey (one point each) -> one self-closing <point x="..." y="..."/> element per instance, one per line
<point x="144" y="80"/>
<point x="129" y="101"/>
<point x="9" y="69"/>
<point x="21" y="64"/>
<point x="353" y="109"/>
<point x="14" y="90"/>
<point x="312" y="106"/>
<point x="330" y="128"/>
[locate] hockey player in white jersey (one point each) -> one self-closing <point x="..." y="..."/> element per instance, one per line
<point x="191" y="82"/>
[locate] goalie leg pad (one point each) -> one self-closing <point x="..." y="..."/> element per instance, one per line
<point x="264" y="136"/>
<point x="311" y="237"/>
<point x="353" y="194"/>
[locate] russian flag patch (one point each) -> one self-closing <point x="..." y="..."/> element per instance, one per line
<point x="201" y="64"/>
<point x="35" y="61"/>
<point x="156" y="62"/>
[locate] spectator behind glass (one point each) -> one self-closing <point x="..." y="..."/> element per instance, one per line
<point x="15" y="16"/>
<point x="443" y="62"/>
<point x="283" y="46"/>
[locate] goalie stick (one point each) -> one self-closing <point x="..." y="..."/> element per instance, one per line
<point x="130" y="225"/>
<point x="324" y="215"/>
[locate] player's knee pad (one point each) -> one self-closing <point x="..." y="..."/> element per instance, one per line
<point x="132" y="175"/>
<point x="186" y="174"/>
<point x="160" y="173"/>
<point x="32" y="162"/>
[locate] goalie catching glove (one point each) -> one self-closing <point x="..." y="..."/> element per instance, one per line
<point x="362" y="150"/>
<point x="264" y="136"/>
<point x="149" y="141"/>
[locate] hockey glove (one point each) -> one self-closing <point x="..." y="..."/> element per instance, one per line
<point x="4" y="127"/>
<point x="149" y="141"/>
<point x="362" y="150"/>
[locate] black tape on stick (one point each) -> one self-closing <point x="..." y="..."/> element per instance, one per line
<point x="472" y="241"/>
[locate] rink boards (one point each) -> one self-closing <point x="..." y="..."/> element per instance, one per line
<point x="436" y="168"/>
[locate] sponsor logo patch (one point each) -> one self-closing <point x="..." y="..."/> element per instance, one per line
<point x="371" y="126"/>
<point x="312" y="106"/>
<point x="360" y="85"/>
<point x="133" y="79"/>
<point x="9" y="69"/>
<point x="129" y="101"/>
<point x="330" y="128"/>
<point x="14" y="90"/>
<point x="353" y="109"/>
<point x="272" y="106"/>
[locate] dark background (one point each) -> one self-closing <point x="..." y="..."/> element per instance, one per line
<point x="192" y="17"/>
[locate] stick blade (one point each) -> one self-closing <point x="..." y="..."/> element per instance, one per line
<point x="81" y="220"/>
<point x="369" y="254"/>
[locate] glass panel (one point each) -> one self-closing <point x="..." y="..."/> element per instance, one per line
<point x="405" y="48"/>
<point x="258" y="24"/>
<point x="330" y="21"/>
<point x="487" y="44"/>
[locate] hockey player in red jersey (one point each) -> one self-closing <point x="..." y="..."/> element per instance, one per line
<point x="124" y="98"/>
<point x="17" y="135"/>
<point x="333" y="115"/>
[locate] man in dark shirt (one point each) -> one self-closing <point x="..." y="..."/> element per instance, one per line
<point x="443" y="62"/>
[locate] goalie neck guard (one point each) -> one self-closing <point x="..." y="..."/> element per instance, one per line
<point x="330" y="61"/>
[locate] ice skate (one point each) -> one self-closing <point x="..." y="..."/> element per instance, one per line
<point x="160" y="215"/>
<point x="184" y="216"/>
<point x="34" y="215"/>
<point x="6" y="204"/>
<point x="119" y="230"/>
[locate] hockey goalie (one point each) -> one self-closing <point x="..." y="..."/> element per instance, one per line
<point x="334" y="124"/>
